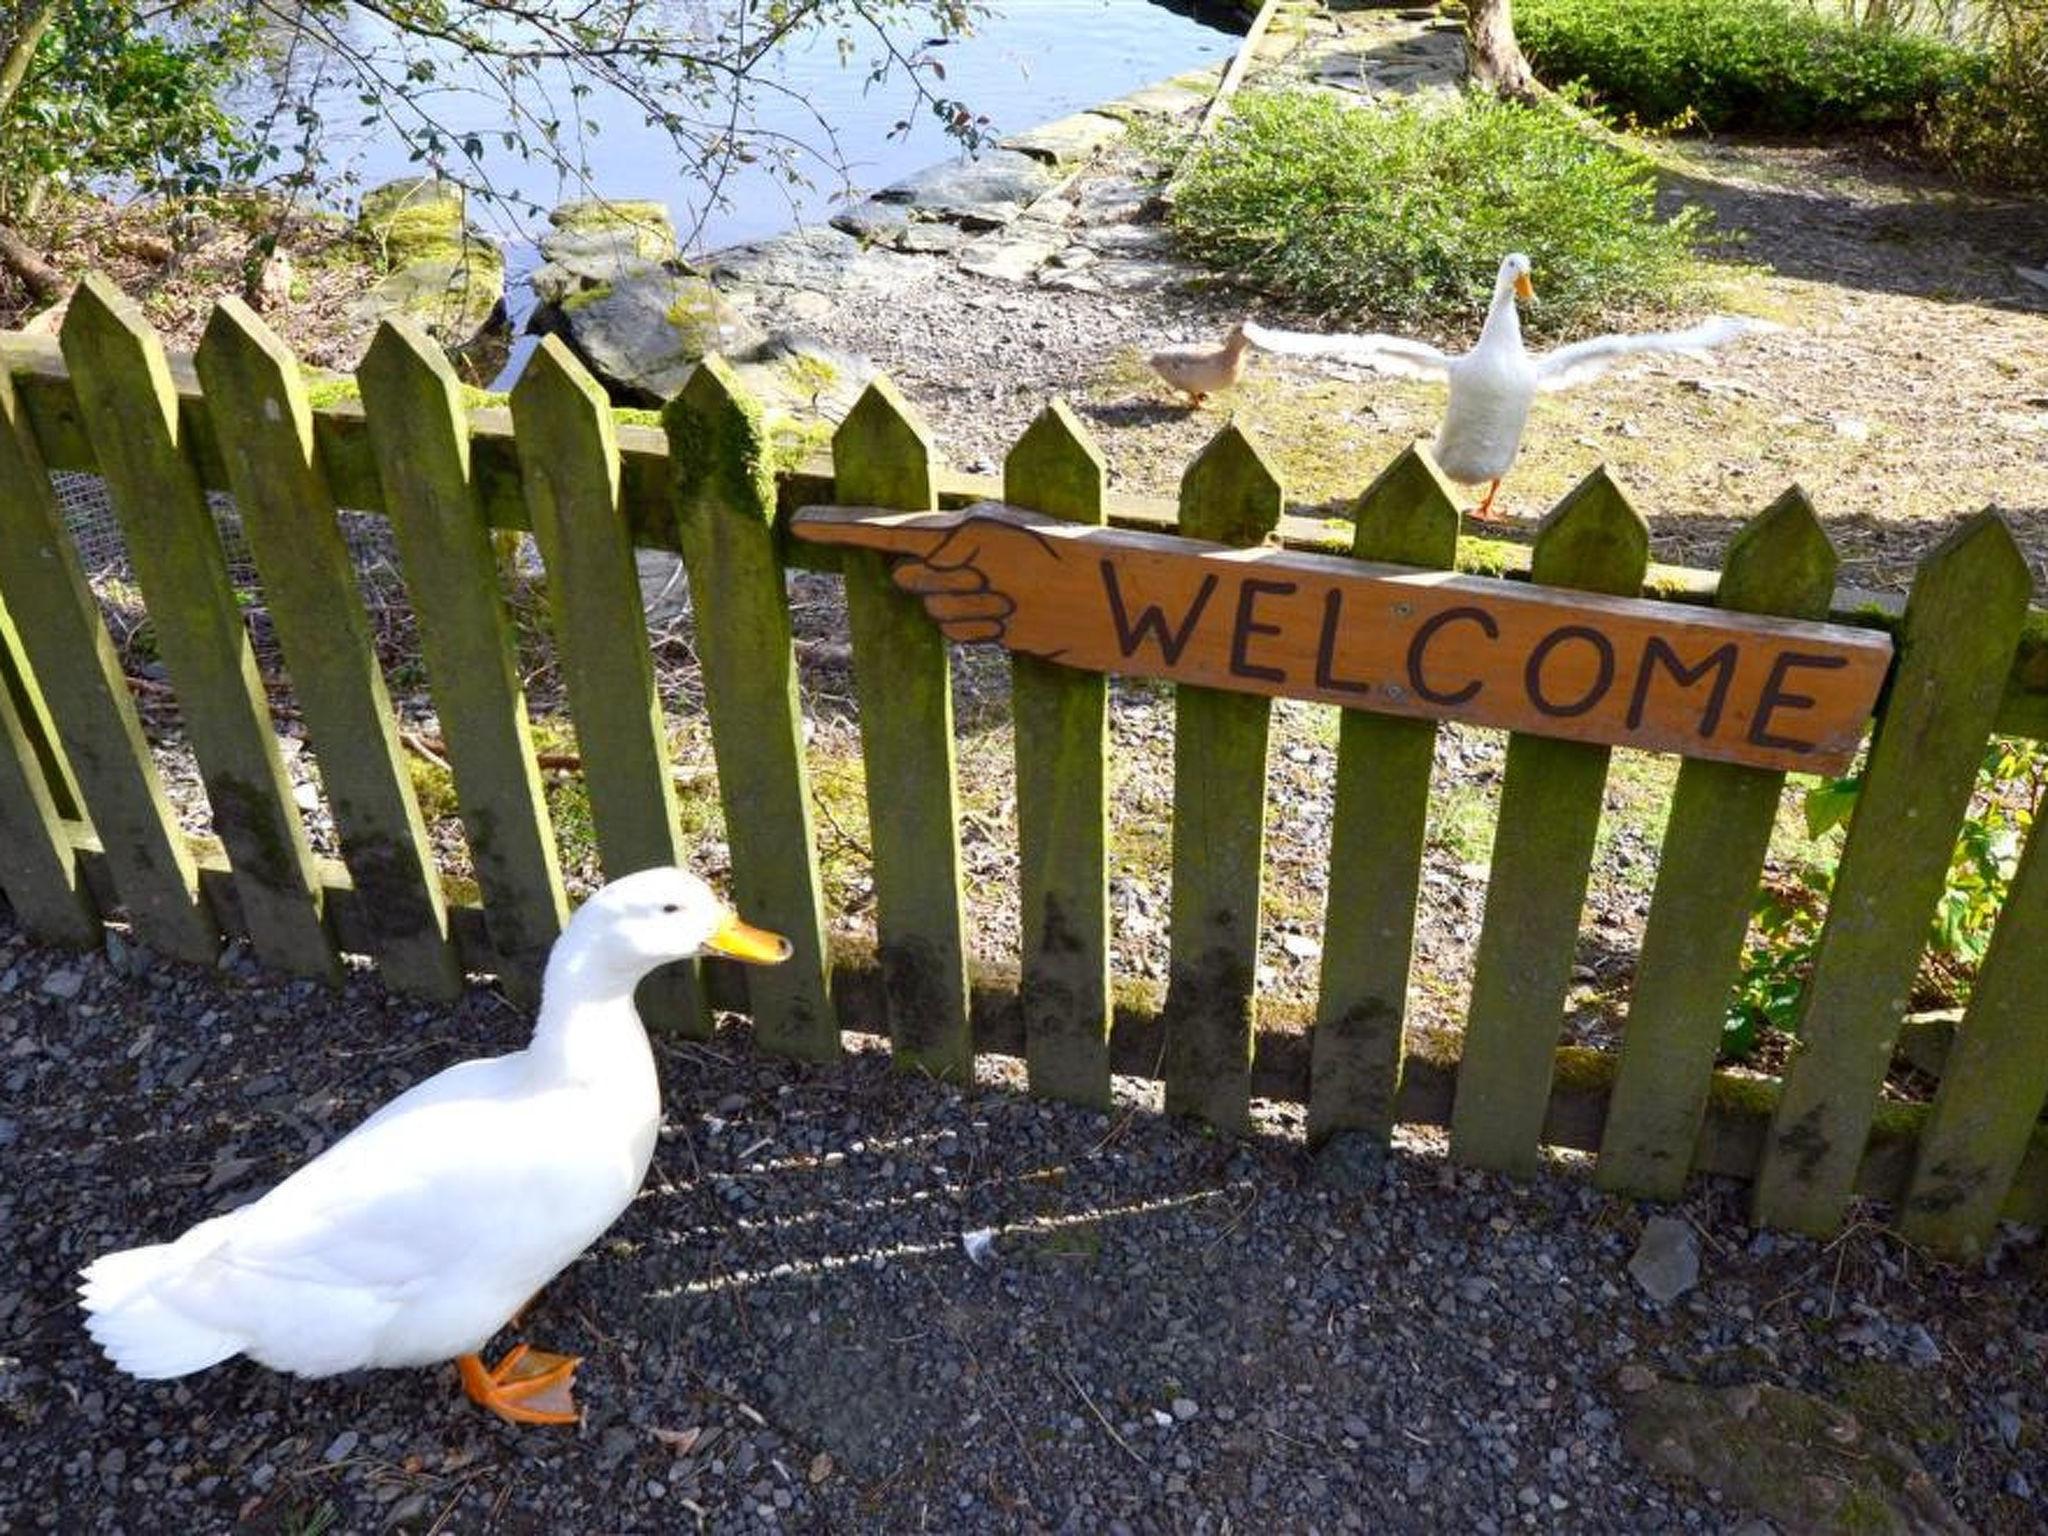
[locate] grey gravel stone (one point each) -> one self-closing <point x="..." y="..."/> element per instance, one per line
<point x="1666" y="1263"/>
<point x="64" y="985"/>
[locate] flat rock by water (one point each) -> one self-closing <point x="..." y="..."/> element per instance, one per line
<point x="983" y="193"/>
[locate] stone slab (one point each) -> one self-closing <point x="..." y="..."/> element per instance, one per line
<point x="986" y="193"/>
<point x="1067" y="140"/>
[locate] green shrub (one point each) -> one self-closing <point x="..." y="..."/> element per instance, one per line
<point x="1996" y="131"/>
<point x="1785" y="924"/>
<point x="1772" y="66"/>
<point x="1402" y="215"/>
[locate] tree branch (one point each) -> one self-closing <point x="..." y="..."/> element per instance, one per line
<point x="41" y="279"/>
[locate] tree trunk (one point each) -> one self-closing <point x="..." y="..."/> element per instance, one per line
<point x="1495" y="57"/>
<point x="22" y="25"/>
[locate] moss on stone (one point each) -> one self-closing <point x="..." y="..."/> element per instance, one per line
<point x="421" y="232"/>
<point x="793" y="440"/>
<point x="809" y="372"/>
<point x="1582" y="1070"/>
<point x="693" y="307"/>
<point x="1896" y="1121"/>
<point x="598" y="213"/>
<point x="1743" y="1098"/>
<point x="582" y="298"/>
<point x="461" y="891"/>
<point x="433" y="786"/>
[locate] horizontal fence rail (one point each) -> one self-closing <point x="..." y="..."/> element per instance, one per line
<point x="86" y="832"/>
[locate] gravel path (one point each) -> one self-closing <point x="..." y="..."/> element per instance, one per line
<point x="1169" y="1332"/>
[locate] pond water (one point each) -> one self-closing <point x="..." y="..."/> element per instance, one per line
<point x="1026" y="63"/>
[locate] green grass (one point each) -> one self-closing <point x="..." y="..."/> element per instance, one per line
<point x="1771" y="66"/>
<point x="1401" y="216"/>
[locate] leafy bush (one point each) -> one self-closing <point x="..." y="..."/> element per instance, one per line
<point x="1785" y="924"/>
<point x="1996" y="131"/>
<point x="1768" y="65"/>
<point x="1402" y="215"/>
<point x="112" y="92"/>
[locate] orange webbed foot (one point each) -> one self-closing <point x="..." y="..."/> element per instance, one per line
<point x="528" y="1386"/>
<point x="1484" y="513"/>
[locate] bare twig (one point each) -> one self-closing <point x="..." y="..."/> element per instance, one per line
<point x="1102" y="1418"/>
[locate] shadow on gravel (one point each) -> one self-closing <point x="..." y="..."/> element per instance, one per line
<point x="1909" y="232"/>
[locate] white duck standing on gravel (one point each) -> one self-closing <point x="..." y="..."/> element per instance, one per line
<point x="414" y="1238"/>
<point x="1494" y="385"/>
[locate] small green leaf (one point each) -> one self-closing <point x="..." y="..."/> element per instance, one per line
<point x="1829" y="804"/>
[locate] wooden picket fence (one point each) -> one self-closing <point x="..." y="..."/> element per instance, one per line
<point x="85" y="831"/>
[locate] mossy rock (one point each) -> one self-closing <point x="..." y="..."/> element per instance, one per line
<point x="596" y="244"/>
<point x="381" y="203"/>
<point x="642" y="334"/>
<point x="452" y="298"/>
<point x="615" y="213"/>
<point x="442" y="274"/>
<point x="1805" y="1462"/>
<point x="802" y="379"/>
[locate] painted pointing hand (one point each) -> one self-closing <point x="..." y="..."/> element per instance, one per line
<point x="966" y="567"/>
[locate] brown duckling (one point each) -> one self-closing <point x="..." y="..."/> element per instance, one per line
<point x="1201" y="371"/>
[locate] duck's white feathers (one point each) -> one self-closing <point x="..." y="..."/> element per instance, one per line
<point x="399" y="1245"/>
<point x="1395" y="355"/>
<point x="1583" y="361"/>
<point x="1493" y="386"/>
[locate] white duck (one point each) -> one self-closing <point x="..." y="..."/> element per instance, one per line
<point x="1493" y="385"/>
<point x="414" y="1238"/>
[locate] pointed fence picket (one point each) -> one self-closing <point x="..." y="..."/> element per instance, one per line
<point x="882" y="457"/>
<point x="1228" y="496"/>
<point x="125" y="389"/>
<point x="569" y="461"/>
<point x="725" y="513"/>
<point x="65" y="646"/>
<point x="86" y="832"/>
<point x="265" y="431"/>
<point x="1378" y="827"/>
<point x="1708" y="873"/>
<point x="1062" y="801"/>
<point x="1550" y="799"/>
<point x="1961" y="628"/>
<point x="417" y="426"/>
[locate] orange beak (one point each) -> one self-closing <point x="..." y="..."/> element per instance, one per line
<point x="742" y="941"/>
<point x="1524" y="289"/>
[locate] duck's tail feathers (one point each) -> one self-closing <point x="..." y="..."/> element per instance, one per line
<point x="142" y="1332"/>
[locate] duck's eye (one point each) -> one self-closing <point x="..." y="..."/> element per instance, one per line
<point x="671" y="907"/>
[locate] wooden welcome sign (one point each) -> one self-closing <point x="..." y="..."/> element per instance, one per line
<point x="1772" y="693"/>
